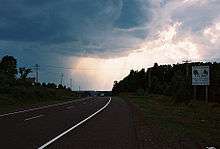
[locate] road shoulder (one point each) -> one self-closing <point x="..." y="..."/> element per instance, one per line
<point x="158" y="125"/>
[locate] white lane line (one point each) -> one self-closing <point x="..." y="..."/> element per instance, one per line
<point x="83" y="121"/>
<point x="27" y="119"/>
<point x="43" y="107"/>
<point x="70" y="107"/>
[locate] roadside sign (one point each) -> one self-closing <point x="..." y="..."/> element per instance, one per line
<point x="200" y="75"/>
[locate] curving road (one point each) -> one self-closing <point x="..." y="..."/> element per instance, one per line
<point x="111" y="128"/>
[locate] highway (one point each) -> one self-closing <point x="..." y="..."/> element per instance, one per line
<point x="89" y="123"/>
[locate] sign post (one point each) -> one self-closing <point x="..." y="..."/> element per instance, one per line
<point x="206" y="94"/>
<point x="200" y="77"/>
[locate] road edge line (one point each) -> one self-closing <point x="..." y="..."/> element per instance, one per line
<point x="34" y="117"/>
<point x="75" y="126"/>
<point x="42" y="107"/>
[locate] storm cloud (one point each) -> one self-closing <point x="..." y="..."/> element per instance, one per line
<point x="105" y="33"/>
<point x="71" y="27"/>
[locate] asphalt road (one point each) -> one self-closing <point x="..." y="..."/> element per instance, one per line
<point x="111" y="128"/>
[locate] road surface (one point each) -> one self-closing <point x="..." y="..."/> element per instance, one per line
<point x="107" y="125"/>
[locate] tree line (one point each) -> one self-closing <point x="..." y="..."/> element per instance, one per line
<point x="171" y="80"/>
<point x="15" y="83"/>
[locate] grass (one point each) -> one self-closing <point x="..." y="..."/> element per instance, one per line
<point x="33" y="98"/>
<point x="10" y="107"/>
<point x="196" y="120"/>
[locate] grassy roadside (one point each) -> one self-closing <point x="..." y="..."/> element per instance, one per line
<point x="36" y="98"/>
<point x="197" y="122"/>
<point x="13" y="107"/>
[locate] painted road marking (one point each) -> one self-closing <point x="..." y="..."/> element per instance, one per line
<point x="43" y="107"/>
<point x="83" y="121"/>
<point x="27" y="119"/>
<point x="70" y="107"/>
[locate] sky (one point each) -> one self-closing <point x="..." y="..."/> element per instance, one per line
<point x="95" y="42"/>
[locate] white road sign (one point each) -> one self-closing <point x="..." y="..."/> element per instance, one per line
<point x="200" y="75"/>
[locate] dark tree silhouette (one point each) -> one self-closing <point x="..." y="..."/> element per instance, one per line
<point x="23" y="89"/>
<point x="24" y="72"/>
<point x="8" y="66"/>
<point x="60" y="86"/>
<point x="44" y="84"/>
<point x="173" y="80"/>
<point x="51" y="85"/>
<point x="8" y="73"/>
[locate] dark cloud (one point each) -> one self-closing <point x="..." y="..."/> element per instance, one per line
<point x="64" y="21"/>
<point x="50" y="31"/>
<point x="131" y="14"/>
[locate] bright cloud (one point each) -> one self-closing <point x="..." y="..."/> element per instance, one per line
<point x="165" y="48"/>
<point x="212" y="33"/>
<point x="103" y="40"/>
<point x="174" y="34"/>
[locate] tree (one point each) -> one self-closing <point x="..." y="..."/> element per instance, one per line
<point x="69" y="89"/>
<point x="44" y="84"/>
<point x="24" y="72"/>
<point x="60" y="86"/>
<point x="8" y="73"/>
<point x="155" y="65"/>
<point x="51" y="85"/>
<point x="180" y="87"/>
<point x="8" y="66"/>
<point x="115" y="88"/>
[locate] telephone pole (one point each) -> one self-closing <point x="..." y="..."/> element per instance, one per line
<point x="71" y="83"/>
<point x="187" y="68"/>
<point x="36" y="71"/>
<point x="149" y="78"/>
<point x="61" y="79"/>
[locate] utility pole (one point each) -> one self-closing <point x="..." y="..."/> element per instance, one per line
<point x="61" y="79"/>
<point x="36" y="71"/>
<point x="71" y="83"/>
<point x="206" y="94"/>
<point x="149" y="78"/>
<point x="187" y="68"/>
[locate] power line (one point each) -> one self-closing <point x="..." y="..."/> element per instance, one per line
<point x="69" y="68"/>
